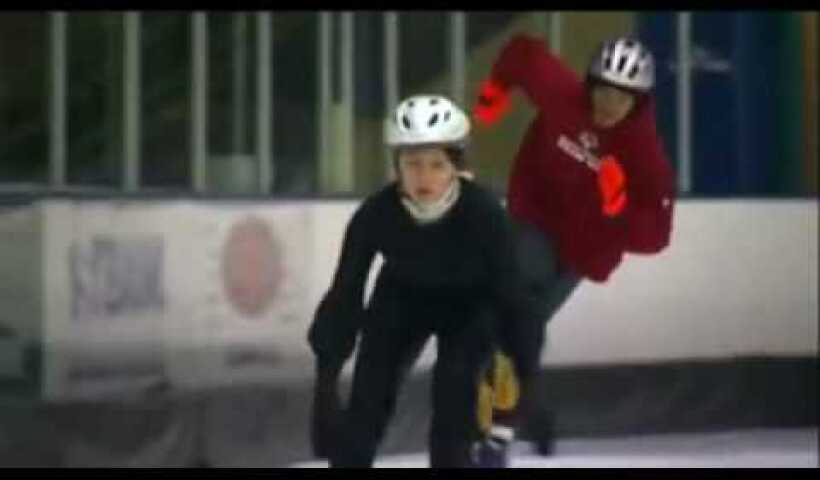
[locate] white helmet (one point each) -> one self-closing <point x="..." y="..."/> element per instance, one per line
<point x="427" y="120"/>
<point x="624" y="62"/>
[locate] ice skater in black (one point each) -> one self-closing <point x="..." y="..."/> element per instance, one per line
<point x="448" y="271"/>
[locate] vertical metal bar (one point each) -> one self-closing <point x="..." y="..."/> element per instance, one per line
<point x="458" y="56"/>
<point x="323" y="114"/>
<point x="541" y="21"/>
<point x="811" y="148"/>
<point x="556" y="29"/>
<point x="345" y="125"/>
<point x="199" y="112"/>
<point x="684" y="93"/>
<point x="391" y="76"/>
<point x="240" y="67"/>
<point x="111" y="131"/>
<point x="57" y="100"/>
<point x="264" y="101"/>
<point x="131" y="102"/>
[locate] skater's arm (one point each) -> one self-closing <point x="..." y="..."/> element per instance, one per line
<point x="500" y="248"/>
<point x="338" y="317"/>
<point x="526" y="63"/>
<point x="651" y="192"/>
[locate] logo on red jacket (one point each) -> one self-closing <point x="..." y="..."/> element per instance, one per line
<point x="589" y="141"/>
<point x="582" y="150"/>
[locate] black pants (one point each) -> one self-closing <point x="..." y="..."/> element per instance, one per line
<point x="547" y="286"/>
<point x="394" y="334"/>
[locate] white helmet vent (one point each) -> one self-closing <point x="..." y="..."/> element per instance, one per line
<point x="427" y="119"/>
<point x="626" y="63"/>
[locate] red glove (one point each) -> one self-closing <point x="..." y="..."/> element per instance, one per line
<point x="612" y="184"/>
<point x="493" y="103"/>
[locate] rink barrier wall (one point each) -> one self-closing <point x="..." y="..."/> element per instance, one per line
<point x="718" y="331"/>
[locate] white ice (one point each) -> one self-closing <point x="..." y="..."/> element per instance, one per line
<point x="770" y="448"/>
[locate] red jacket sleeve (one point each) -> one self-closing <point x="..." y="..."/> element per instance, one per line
<point x="525" y="62"/>
<point x="650" y="185"/>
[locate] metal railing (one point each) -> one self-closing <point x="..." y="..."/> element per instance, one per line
<point x="335" y="116"/>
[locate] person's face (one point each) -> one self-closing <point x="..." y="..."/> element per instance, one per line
<point x="610" y="105"/>
<point x="425" y="173"/>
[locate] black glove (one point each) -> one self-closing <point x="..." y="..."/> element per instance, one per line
<point x="326" y="412"/>
<point x="334" y="330"/>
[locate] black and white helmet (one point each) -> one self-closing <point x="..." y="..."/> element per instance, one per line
<point x="427" y="120"/>
<point x="624" y="62"/>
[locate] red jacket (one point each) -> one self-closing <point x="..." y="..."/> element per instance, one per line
<point x="554" y="189"/>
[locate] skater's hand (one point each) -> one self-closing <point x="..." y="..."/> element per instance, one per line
<point x="326" y="412"/>
<point x="332" y="336"/>
<point x="612" y="185"/>
<point x="493" y="103"/>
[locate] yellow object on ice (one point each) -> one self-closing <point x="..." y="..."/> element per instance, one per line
<point x="498" y="391"/>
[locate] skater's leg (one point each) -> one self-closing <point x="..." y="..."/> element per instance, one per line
<point x="464" y="351"/>
<point x="388" y="348"/>
<point x="547" y="287"/>
<point x="499" y="393"/>
<point x="529" y="340"/>
<point x="326" y="414"/>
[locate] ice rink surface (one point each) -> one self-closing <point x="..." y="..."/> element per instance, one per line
<point x="782" y="448"/>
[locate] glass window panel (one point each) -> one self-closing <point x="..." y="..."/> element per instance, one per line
<point x="95" y="107"/>
<point x="24" y="97"/>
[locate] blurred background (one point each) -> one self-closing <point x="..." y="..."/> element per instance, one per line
<point x="291" y="103"/>
<point x="174" y="187"/>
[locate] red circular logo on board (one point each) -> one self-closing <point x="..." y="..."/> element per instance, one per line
<point x="252" y="269"/>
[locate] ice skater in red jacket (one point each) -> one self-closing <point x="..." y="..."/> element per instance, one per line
<point x="590" y="181"/>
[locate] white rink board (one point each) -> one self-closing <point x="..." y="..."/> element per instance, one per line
<point x="232" y="344"/>
<point x="21" y="295"/>
<point x="740" y="278"/>
<point x="135" y="295"/>
<point x="94" y="342"/>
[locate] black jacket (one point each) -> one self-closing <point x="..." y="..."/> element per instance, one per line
<point x="467" y="256"/>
